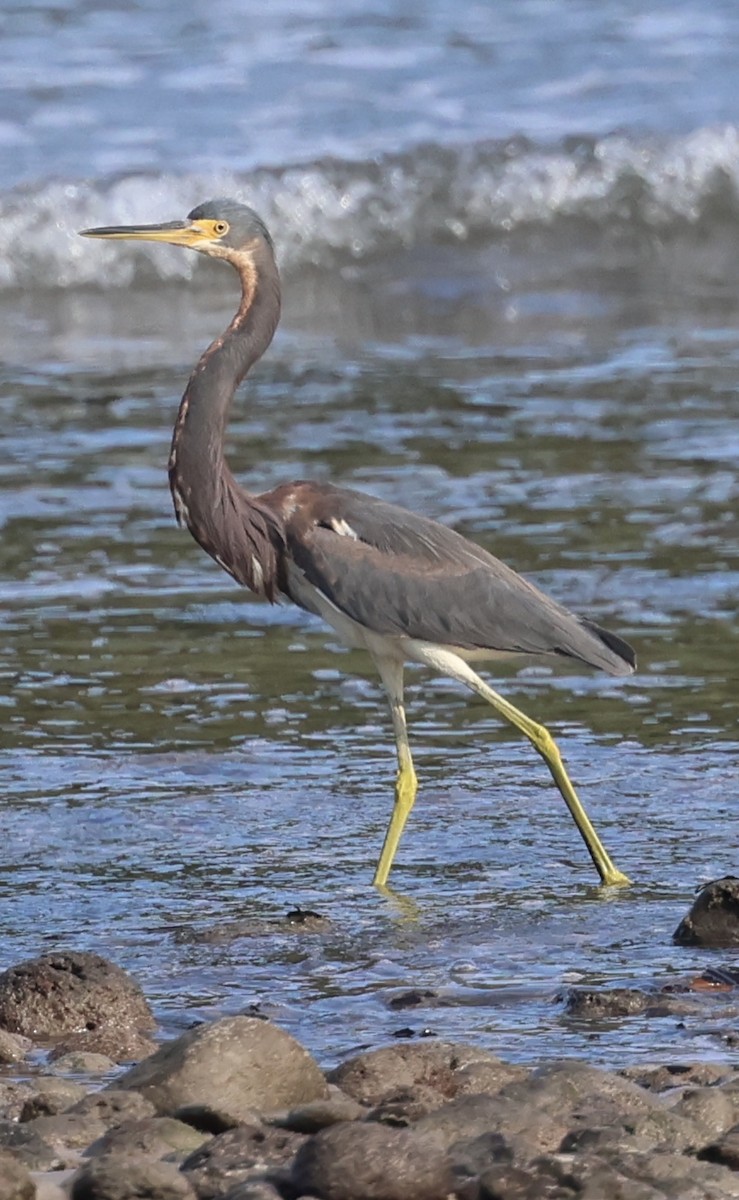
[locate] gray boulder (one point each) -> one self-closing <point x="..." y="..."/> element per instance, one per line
<point x="366" y="1161"/>
<point x="237" y="1065"/>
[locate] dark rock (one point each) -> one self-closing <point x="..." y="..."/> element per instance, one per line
<point x="15" y="1181"/>
<point x="238" y="1155"/>
<point x="306" y="921"/>
<point x="112" y="1107"/>
<point x="660" y="1077"/>
<point x="508" y="1182"/>
<point x="592" y="1004"/>
<point x="150" y="1137"/>
<point x="116" y="1177"/>
<point x="73" y="993"/>
<point x="443" y="1068"/>
<point x="472" y="1156"/>
<point x="36" y="1154"/>
<point x="359" y="1161"/>
<point x="413" y="998"/>
<point x="319" y="1114"/>
<point x="236" y="1065"/>
<point x="724" y="1150"/>
<point x="713" y="919"/>
<point x="48" y="1096"/>
<point x="212" y="1119"/>
<point x="604" y="1003"/>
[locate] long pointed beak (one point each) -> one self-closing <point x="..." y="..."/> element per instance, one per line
<point x="178" y="233"/>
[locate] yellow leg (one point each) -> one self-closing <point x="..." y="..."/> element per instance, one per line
<point x="406" y="783"/>
<point x="542" y="741"/>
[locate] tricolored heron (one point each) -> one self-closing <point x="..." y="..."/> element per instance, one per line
<point x="389" y="581"/>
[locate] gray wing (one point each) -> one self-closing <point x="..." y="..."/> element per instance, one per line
<point x="398" y="573"/>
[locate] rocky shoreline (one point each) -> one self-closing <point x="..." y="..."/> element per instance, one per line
<point x="238" y="1109"/>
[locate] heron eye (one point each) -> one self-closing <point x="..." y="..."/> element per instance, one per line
<point x="220" y="227"/>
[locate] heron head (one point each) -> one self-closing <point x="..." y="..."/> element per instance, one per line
<point x="220" y="228"/>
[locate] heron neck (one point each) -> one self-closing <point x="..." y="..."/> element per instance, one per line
<point x="197" y="469"/>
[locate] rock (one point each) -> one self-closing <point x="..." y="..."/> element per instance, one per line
<point x="507" y="1182"/>
<point x="211" y="1118"/>
<point x="680" y="1175"/>
<point x="150" y="1137"/>
<point x="25" y="1144"/>
<point x="444" y="1068"/>
<point x="406" y="1106"/>
<point x="471" y="1157"/>
<point x="412" y="998"/>
<point x="527" y="1129"/>
<point x="52" y="1185"/>
<point x="116" y="1042"/>
<point x="713" y="919"/>
<point x="113" y="1106"/>
<point x="13" y="1047"/>
<point x="236" y="1065"/>
<point x="48" y="1096"/>
<point x="660" y="1077"/>
<point x="67" y="1133"/>
<point x="724" y="1150"/>
<point x="81" y="1062"/>
<point x="593" y="1177"/>
<point x="12" y="1098"/>
<point x="708" y="1108"/>
<point x="364" y="1161"/>
<point x="115" y="1177"/>
<point x="254" y="1189"/>
<point x="604" y="1003"/>
<point x="319" y="1114"/>
<point x="15" y="1181"/>
<point x="593" y="1004"/>
<point x="74" y="993"/>
<point x="237" y="1156"/>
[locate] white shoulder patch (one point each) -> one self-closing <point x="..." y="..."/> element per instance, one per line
<point x="344" y="529"/>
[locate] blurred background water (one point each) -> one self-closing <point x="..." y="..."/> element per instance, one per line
<point x="508" y="235"/>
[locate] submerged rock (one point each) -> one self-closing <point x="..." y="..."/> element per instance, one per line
<point x="713" y="919"/>
<point x="603" y="1004"/>
<point x="236" y="1066"/>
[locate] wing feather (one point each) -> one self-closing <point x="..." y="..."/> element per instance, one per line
<point x="401" y="574"/>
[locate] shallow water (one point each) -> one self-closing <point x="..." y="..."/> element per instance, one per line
<point x="534" y="340"/>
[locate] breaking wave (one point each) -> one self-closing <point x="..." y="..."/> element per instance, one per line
<point x="330" y="212"/>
